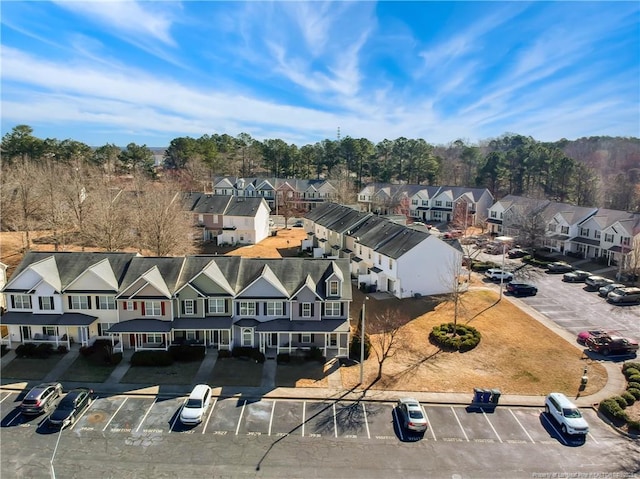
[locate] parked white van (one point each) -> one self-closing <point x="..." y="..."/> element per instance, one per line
<point x="197" y="404"/>
<point x="566" y="414"/>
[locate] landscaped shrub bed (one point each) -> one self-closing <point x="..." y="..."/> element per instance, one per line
<point x="101" y="353"/>
<point x="151" y="358"/>
<point x="245" y="352"/>
<point x="224" y="353"/>
<point x="450" y="337"/>
<point x="185" y="354"/>
<point x="614" y="407"/>
<point x="283" y="358"/>
<point x="42" y="350"/>
<point x="481" y="266"/>
<point x="4" y="349"/>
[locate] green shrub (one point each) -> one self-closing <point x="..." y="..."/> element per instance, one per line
<point x="634" y="426"/>
<point x="258" y="356"/>
<point x="44" y="350"/>
<point x="482" y="266"/>
<point x="628" y="365"/>
<point x="634" y="392"/>
<point x="151" y="358"/>
<point x="283" y="358"/>
<point x="224" y="353"/>
<point x="244" y="352"/>
<point x="634" y="378"/>
<point x="611" y="408"/>
<point x="622" y="402"/>
<point x="62" y="349"/>
<point x="315" y="354"/>
<point x="185" y="353"/>
<point x="633" y="385"/>
<point x="628" y="372"/>
<point x="628" y="397"/>
<point x="26" y="350"/>
<point x="4" y="349"/>
<point x="466" y="338"/>
<point x="354" y="350"/>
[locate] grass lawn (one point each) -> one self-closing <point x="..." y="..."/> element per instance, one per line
<point x="301" y="374"/>
<point x="85" y="370"/>
<point x="235" y="372"/>
<point x="177" y="373"/>
<point x="517" y="354"/>
<point x="30" y="368"/>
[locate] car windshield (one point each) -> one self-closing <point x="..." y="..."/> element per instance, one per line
<point x="571" y="413"/>
<point x="194" y="403"/>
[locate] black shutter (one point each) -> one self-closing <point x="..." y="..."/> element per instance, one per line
<point x="341" y="309"/>
<point x="89" y="301"/>
<point x="300" y="313"/>
<point x="195" y="306"/>
<point x="13" y="302"/>
<point x="264" y="308"/>
<point x="284" y="308"/>
<point x="299" y="338"/>
<point x="69" y="298"/>
<point x="40" y="302"/>
<point x="312" y="305"/>
<point x="238" y="309"/>
<point x="182" y="307"/>
<point x="98" y="302"/>
<point x="312" y="336"/>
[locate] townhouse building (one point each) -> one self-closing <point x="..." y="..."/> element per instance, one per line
<point x="147" y="303"/>
<point x="383" y="255"/>
<point x="279" y="193"/>
<point x="229" y="219"/>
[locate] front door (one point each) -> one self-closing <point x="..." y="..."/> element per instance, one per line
<point x="26" y="333"/>
<point x="272" y="340"/>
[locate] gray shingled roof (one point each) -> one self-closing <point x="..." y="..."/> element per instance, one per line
<point x="402" y="242"/>
<point x="169" y="269"/>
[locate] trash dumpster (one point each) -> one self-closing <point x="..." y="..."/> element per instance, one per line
<point x="477" y="394"/>
<point x="495" y="396"/>
<point x="486" y="396"/>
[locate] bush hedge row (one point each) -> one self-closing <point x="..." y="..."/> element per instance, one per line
<point x="614" y="407"/>
<point x="41" y="351"/>
<point x="246" y="352"/>
<point x="101" y="353"/>
<point x="314" y="354"/>
<point x="465" y="339"/>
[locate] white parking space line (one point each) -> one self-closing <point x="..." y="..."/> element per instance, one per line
<point x="80" y="416"/>
<point x="593" y="438"/>
<point x="146" y="414"/>
<point x="2" y="400"/>
<point x="492" y="428"/>
<point x="520" y="424"/>
<point x="240" y="418"/>
<point x="175" y="419"/>
<point x="304" y="411"/>
<point x="433" y="434"/>
<point x="273" y="407"/>
<point x="16" y="416"/>
<point x="459" y="423"/>
<point x="44" y="419"/>
<point x="114" y="414"/>
<point x="366" y="422"/>
<point x="335" y="422"/>
<point x="395" y="417"/>
<point x="215" y="401"/>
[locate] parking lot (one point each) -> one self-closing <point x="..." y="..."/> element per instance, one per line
<point x="570" y="305"/>
<point x="358" y="421"/>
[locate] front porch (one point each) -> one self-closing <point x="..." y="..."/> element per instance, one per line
<point x="57" y="329"/>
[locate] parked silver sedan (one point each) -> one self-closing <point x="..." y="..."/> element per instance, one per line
<point x="412" y="415"/>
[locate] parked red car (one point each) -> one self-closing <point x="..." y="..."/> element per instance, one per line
<point x="607" y="345"/>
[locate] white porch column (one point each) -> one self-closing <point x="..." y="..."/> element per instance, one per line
<point x="290" y="339"/>
<point x="66" y="331"/>
<point x="326" y="339"/>
<point x="166" y="340"/>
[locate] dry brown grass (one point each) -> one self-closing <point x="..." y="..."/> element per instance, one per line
<point x="517" y="354"/>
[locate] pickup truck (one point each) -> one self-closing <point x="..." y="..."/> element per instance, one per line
<point x="607" y="345"/>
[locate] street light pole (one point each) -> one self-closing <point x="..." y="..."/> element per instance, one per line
<point x="363" y="313"/>
<point x="504" y="240"/>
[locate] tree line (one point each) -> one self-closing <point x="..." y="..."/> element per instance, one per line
<point x="596" y="171"/>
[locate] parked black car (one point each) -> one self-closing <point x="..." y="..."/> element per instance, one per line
<point x="70" y="407"/>
<point x="517" y="253"/>
<point x="522" y="289"/>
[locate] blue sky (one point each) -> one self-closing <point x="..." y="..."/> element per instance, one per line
<point x="148" y="72"/>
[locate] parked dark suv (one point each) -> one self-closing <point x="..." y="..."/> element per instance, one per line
<point x="41" y="399"/>
<point x="522" y="289"/>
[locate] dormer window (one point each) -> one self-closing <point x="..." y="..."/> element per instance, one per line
<point x="334" y="288"/>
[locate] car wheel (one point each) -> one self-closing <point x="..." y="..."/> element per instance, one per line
<point x="605" y="352"/>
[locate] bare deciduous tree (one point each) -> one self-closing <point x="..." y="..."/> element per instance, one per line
<point x="383" y="334"/>
<point x="162" y="225"/>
